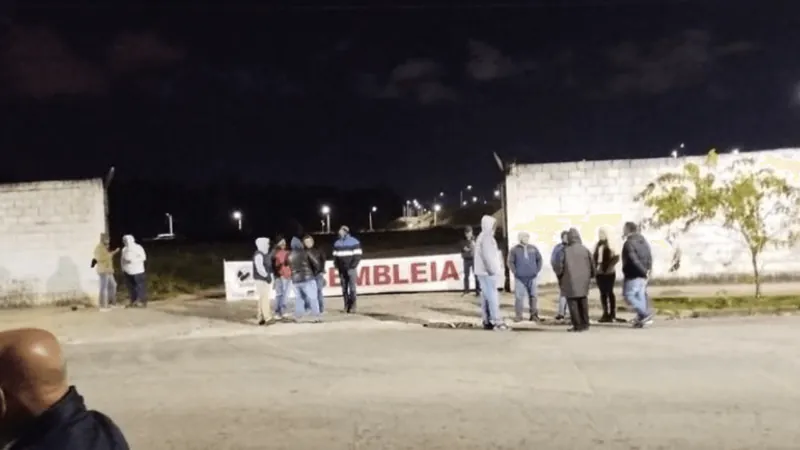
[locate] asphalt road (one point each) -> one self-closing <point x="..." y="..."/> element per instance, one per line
<point x="189" y="383"/>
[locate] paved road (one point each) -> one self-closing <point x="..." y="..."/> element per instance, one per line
<point x="370" y="384"/>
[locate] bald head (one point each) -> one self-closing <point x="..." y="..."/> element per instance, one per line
<point x="32" y="375"/>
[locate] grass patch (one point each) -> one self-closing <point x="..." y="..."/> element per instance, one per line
<point x="725" y="302"/>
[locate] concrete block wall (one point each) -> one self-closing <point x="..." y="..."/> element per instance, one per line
<point x="48" y="231"/>
<point x="544" y="199"/>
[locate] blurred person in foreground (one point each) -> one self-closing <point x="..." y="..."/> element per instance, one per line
<point x="605" y="261"/>
<point x="305" y="266"/>
<point x="283" y="277"/>
<point x="575" y="273"/>
<point x="39" y="410"/>
<point x="637" y="262"/>
<point x="468" y="258"/>
<point x="555" y="257"/>
<point x="346" y="258"/>
<point x="525" y="262"/>
<point x="262" y="275"/>
<point x="488" y="265"/>
<point x="319" y="274"/>
<point x="133" y="259"/>
<point x="103" y="262"/>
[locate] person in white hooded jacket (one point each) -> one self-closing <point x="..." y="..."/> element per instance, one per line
<point x="133" y="258"/>
<point x="488" y="266"/>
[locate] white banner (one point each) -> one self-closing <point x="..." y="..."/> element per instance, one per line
<point x="375" y="276"/>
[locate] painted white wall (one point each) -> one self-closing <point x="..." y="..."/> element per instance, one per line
<point x="48" y="231"/>
<point x="544" y="199"/>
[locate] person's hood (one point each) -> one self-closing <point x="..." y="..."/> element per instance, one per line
<point x="573" y="237"/>
<point x="262" y="244"/>
<point x="296" y="244"/>
<point x="487" y="224"/>
<point x="128" y="240"/>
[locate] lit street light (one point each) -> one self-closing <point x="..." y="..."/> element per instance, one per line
<point x="674" y="154"/>
<point x="496" y="193"/>
<point x="326" y="211"/>
<point x="169" y="223"/>
<point x="436" y="208"/>
<point x="474" y="199"/>
<point x="461" y="194"/>
<point x="374" y="208"/>
<point x="735" y="151"/>
<point x="237" y="216"/>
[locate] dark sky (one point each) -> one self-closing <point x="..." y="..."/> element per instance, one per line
<point x="413" y="96"/>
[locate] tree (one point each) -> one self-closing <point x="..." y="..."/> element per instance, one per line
<point x="758" y="204"/>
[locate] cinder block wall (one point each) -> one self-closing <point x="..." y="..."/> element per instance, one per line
<point x="544" y="199"/>
<point x="48" y="231"/>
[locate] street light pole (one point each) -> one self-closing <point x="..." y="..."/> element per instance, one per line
<point x="436" y="208"/>
<point x="326" y="210"/>
<point x="461" y="195"/>
<point x="374" y="208"/>
<point x="169" y="223"/>
<point x="237" y="216"/>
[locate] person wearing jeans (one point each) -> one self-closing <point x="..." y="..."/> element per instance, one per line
<point x="103" y="262"/>
<point x="346" y="258"/>
<point x="555" y="260"/>
<point x="637" y="262"/>
<point x="283" y="277"/>
<point x="468" y="258"/>
<point x="525" y="262"/>
<point x="133" y="259"/>
<point x="487" y="267"/>
<point x="319" y="274"/>
<point x="304" y="265"/>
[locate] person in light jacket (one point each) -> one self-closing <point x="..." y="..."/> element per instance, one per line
<point x="103" y="262"/>
<point x="488" y="265"/>
<point x="133" y="259"/>
<point x="576" y="271"/>
<point x="525" y="262"/>
<point x="555" y="257"/>
<point x="262" y="275"/>
<point x="605" y="261"/>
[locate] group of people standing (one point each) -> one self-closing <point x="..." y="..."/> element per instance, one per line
<point x="301" y="267"/>
<point x="132" y="258"/>
<point x="575" y="267"/>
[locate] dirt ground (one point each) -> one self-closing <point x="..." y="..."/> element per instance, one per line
<point x="194" y="375"/>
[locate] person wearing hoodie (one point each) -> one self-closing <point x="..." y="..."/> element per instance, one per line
<point x="103" y="262"/>
<point x="346" y="258"/>
<point x="488" y="266"/>
<point x="305" y="266"/>
<point x="605" y="261"/>
<point x="468" y="258"/>
<point x="637" y="262"/>
<point x="283" y="276"/>
<point x="133" y="259"/>
<point x="317" y="253"/>
<point x="525" y="262"/>
<point x="262" y="275"/>
<point x="575" y="273"/>
<point x="555" y="257"/>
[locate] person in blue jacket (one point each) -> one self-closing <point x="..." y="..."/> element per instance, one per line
<point x="346" y="258"/>
<point x="555" y="258"/>
<point x="525" y="262"/>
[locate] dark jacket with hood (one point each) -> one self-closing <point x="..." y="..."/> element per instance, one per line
<point x="576" y="269"/>
<point x="637" y="260"/>
<point x="69" y="425"/>
<point x="605" y="259"/>
<point x="304" y="264"/>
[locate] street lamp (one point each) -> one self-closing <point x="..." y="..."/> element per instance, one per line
<point x="436" y="208"/>
<point x="169" y="223"/>
<point x="374" y="208"/>
<point x="474" y="199"/>
<point x="237" y="216"/>
<point x="497" y="193"/>
<point x="326" y="211"/>
<point x="735" y="151"/>
<point x="461" y="194"/>
<point x="674" y="154"/>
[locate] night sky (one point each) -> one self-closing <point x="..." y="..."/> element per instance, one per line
<point x="413" y="96"/>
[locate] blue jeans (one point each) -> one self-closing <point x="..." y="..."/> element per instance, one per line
<point x="137" y="287"/>
<point x="562" y="306"/>
<point x="490" y="301"/>
<point x="320" y="297"/>
<point x="348" y="281"/>
<point x="306" y="294"/>
<point x="525" y="292"/>
<point x="282" y="286"/>
<point x="635" y="292"/>
<point x="108" y="290"/>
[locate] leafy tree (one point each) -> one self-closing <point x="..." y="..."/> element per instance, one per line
<point x="757" y="203"/>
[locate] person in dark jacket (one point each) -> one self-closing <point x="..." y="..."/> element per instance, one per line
<point x="468" y="258"/>
<point x="279" y="260"/>
<point x="525" y="262"/>
<point x="637" y="262"/>
<point x="575" y="273"/>
<point x="319" y="255"/>
<point x="304" y="266"/>
<point x="39" y="410"/>
<point x="605" y="262"/>
<point x="346" y="257"/>
<point x="556" y="256"/>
